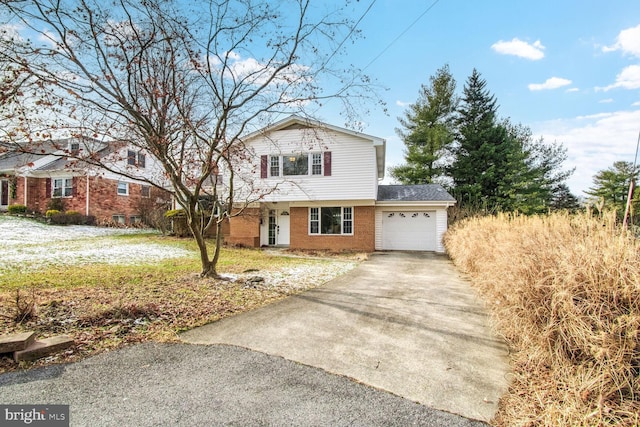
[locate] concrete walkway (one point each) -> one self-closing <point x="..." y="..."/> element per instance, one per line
<point x="406" y="323"/>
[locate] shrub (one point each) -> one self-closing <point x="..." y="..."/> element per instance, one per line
<point x="72" y="213"/>
<point x="17" y="209"/>
<point x="51" y="212"/>
<point x="173" y="213"/>
<point x="74" y="218"/>
<point x="56" y="203"/>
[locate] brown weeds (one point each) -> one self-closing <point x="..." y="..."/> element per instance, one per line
<point x="565" y="292"/>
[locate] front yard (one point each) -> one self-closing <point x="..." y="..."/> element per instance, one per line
<point x="109" y="287"/>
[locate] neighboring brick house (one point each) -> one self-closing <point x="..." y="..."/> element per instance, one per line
<point x="321" y="191"/>
<point x="36" y="180"/>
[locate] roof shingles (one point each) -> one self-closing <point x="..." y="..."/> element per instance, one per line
<point x="413" y="193"/>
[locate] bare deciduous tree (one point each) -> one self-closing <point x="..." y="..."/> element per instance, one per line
<point x="181" y="80"/>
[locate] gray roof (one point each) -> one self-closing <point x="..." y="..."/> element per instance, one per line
<point x="413" y="193"/>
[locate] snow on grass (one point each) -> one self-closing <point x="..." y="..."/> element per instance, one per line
<point x="27" y="245"/>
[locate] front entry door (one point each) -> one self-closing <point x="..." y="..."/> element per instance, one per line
<point x="278" y="228"/>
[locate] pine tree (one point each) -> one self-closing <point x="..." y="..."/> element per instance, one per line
<point x="427" y="128"/>
<point x="611" y="186"/>
<point x="487" y="159"/>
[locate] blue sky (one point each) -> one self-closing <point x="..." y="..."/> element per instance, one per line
<point x="570" y="70"/>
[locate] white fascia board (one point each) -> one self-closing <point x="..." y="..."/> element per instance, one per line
<point x="314" y="203"/>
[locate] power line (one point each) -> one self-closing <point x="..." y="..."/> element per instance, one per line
<point x="350" y="32"/>
<point x="401" y="34"/>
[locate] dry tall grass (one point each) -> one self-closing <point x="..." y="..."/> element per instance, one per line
<point x="565" y="292"/>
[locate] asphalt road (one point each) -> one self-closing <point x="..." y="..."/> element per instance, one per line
<point x="193" y="385"/>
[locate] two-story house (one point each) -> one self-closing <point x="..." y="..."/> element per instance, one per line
<point x="34" y="180"/>
<point x="321" y="191"/>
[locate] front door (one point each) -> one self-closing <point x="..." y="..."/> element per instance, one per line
<point x="4" y="194"/>
<point x="278" y="227"/>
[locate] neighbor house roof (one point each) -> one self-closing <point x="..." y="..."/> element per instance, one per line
<point x="414" y="193"/>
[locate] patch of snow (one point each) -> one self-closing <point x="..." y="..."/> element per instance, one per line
<point x="29" y="245"/>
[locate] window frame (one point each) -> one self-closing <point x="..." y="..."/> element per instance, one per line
<point x="142" y="191"/>
<point x="136" y="158"/>
<point x="315" y="224"/>
<point x="64" y="188"/>
<point x="126" y="184"/>
<point x="315" y="164"/>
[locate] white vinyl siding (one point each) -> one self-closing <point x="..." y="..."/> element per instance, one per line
<point x="353" y="166"/>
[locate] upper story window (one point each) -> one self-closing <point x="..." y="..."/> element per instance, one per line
<point x="62" y="187"/>
<point x="301" y="164"/>
<point x="136" y="158"/>
<point x="123" y="188"/>
<point x="145" y="191"/>
<point x="297" y="164"/>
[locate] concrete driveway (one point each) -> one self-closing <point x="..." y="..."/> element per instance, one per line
<point x="406" y="323"/>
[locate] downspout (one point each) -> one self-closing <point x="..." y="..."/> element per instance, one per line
<point x="86" y="209"/>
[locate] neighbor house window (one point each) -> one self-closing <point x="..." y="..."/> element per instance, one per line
<point x="136" y="159"/>
<point x="331" y="220"/>
<point x="295" y="165"/>
<point x="62" y="187"/>
<point x="123" y="188"/>
<point x="134" y="219"/>
<point x="145" y="191"/>
<point x="119" y="219"/>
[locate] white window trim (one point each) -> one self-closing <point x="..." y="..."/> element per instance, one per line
<point x="63" y="188"/>
<point x="118" y="188"/>
<point x="342" y="221"/>
<point x="310" y="164"/>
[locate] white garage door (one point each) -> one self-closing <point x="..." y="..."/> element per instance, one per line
<point x="409" y="230"/>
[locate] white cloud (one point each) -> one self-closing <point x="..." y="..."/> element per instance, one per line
<point x="520" y="48"/>
<point x="402" y="103"/>
<point x="628" y="41"/>
<point x="629" y="78"/>
<point x="606" y="101"/>
<point x="551" y="83"/>
<point x="593" y="142"/>
<point x="636" y="104"/>
<point x="573" y="89"/>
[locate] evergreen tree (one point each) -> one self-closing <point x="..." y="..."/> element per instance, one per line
<point x="488" y="160"/>
<point x="563" y="199"/>
<point x="611" y="186"/>
<point x="427" y="127"/>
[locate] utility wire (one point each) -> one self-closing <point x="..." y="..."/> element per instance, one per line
<point x="350" y="32"/>
<point x="401" y="34"/>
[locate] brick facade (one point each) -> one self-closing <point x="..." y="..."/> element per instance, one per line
<point x="363" y="238"/>
<point x="104" y="200"/>
<point x="244" y="230"/>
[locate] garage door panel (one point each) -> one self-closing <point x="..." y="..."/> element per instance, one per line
<point x="409" y="230"/>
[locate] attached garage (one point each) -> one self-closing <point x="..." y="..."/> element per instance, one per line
<point x="411" y="217"/>
<point x="409" y="230"/>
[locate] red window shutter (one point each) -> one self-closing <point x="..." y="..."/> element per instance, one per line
<point x="327" y="163"/>
<point x="264" y="164"/>
<point x="48" y="187"/>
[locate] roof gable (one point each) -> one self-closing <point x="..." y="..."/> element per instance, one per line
<point x="296" y="122"/>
